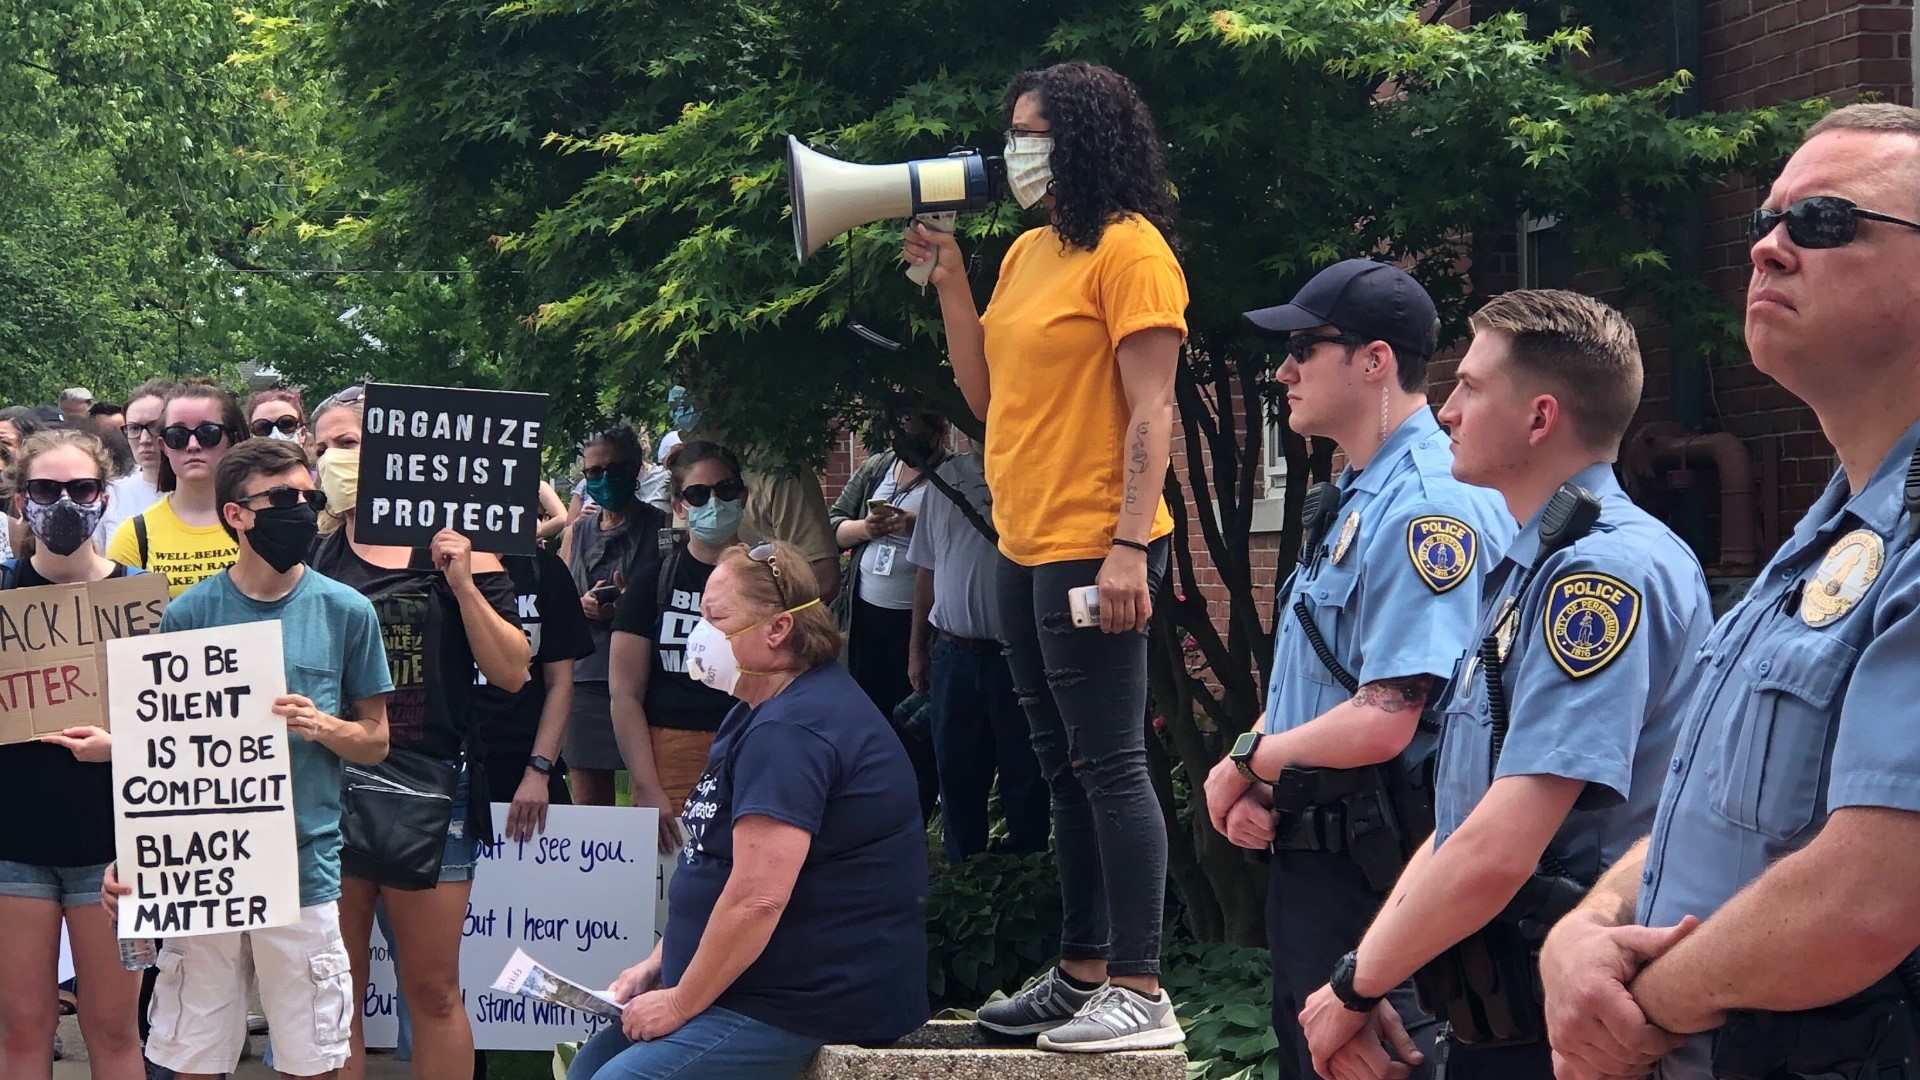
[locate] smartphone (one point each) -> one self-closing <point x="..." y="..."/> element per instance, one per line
<point x="881" y="506"/>
<point x="1084" y="603"/>
<point x="605" y="594"/>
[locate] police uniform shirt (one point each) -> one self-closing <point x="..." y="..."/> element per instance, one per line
<point x="1599" y="663"/>
<point x="1805" y="706"/>
<point x="1394" y="588"/>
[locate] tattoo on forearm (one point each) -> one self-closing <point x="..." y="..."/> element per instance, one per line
<point x="1136" y="467"/>
<point x="1395" y="695"/>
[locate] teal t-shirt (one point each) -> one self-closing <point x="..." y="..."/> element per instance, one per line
<point x="331" y="639"/>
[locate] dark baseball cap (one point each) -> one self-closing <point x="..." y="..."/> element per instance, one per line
<point x="1374" y="300"/>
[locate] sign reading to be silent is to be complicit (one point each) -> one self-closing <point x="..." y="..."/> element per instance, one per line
<point x="435" y="458"/>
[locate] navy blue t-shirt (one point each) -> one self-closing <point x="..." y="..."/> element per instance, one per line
<point x="848" y="960"/>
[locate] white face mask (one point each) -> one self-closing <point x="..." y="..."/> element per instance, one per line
<point x="1029" y="168"/>
<point x="710" y="658"/>
<point x="280" y="436"/>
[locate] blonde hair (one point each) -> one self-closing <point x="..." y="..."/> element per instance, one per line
<point x="40" y="442"/>
<point x="1879" y="117"/>
<point x="1584" y="350"/>
<point x="816" y="633"/>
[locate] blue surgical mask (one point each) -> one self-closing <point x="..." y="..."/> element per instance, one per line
<point x="680" y="410"/>
<point x="716" y="522"/>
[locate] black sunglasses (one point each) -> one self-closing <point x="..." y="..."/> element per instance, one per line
<point x="84" y="491"/>
<point x="141" y="432"/>
<point x="286" y="424"/>
<point x="209" y="434"/>
<point x="595" y="472"/>
<point x="763" y="553"/>
<point x="727" y="490"/>
<point x="1818" y="221"/>
<point x="286" y="498"/>
<point x="1299" y="346"/>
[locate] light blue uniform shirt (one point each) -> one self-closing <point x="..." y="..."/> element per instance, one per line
<point x="1599" y="666"/>
<point x="1805" y="706"/>
<point x="1395" y="591"/>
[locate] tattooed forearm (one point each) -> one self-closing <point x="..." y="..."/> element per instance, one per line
<point x="1136" y="467"/>
<point x="1395" y="695"/>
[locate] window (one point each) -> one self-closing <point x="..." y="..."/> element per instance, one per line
<point x="1546" y="259"/>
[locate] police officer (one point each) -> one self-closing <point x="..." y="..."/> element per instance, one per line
<point x="1559" y="724"/>
<point x="1790" y="821"/>
<point x="1375" y="616"/>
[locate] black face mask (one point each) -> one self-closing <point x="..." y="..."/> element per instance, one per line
<point x="916" y="449"/>
<point x="283" y="537"/>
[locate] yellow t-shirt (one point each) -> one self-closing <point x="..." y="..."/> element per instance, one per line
<point x="185" y="553"/>
<point x="1057" y="414"/>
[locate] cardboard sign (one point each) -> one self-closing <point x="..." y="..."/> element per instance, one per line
<point x="579" y="897"/>
<point x="52" y="650"/>
<point x="434" y="458"/>
<point x="202" y="782"/>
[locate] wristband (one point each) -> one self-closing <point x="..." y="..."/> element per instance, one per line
<point x="1134" y="544"/>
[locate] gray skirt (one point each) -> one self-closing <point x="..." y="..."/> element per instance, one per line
<point x="590" y="741"/>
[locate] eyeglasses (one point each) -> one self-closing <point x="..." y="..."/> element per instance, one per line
<point x="763" y="553"/>
<point x="1818" y="221"/>
<point x="1013" y="133"/>
<point x="286" y="498"/>
<point x="84" y="491"/>
<point x="727" y="490"/>
<point x="141" y="432"/>
<point x="1300" y="345"/>
<point x="209" y="435"/>
<point x="286" y="425"/>
<point x="595" y="472"/>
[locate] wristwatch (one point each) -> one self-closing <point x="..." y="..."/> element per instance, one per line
<point x="1342" y="984"/>
<point x="543" y="766"/>
<point x="1242" y="755"/>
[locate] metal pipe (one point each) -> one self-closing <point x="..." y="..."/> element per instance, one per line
<point x="1739" y="548"/>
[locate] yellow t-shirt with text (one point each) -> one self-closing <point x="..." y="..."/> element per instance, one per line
<point x="1057" y="413"/>
<point x="185" y="553"/>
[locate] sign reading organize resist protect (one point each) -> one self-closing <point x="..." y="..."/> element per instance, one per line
<point x="51" y="650"/>
<point x="202" y="782"/>
<point x="434" y="458"/>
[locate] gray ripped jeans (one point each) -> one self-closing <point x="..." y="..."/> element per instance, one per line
<point x="1085" y="694"/>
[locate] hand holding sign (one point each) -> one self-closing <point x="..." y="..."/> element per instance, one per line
<point x="303" y="717"/>
<point x="88" y="743"/>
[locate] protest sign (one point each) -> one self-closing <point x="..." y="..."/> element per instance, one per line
<point x="579" y="897"/>
<point x="433" y="458"/>
<point x="52" y="657"/>
<point x="202" y="782"/>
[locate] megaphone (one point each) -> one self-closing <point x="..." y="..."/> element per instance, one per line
<point x="831" y="196"/>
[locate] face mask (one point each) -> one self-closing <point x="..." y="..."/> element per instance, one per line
<point x="1029" y="169"/>
<point x="283" y="537"/>
<point x="614" y="490"/>
<point x="681" y="411"/>
<point x="916" y="449"/>
<point x="64" y="525"/>
<point x="710" y="659"/>
<point x="339" y="476"/>
<point x="280" y="436"/>
<point x="716" y="522"/>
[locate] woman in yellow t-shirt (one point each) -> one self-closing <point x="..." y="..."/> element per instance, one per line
<point x="181" y="536"/>
<point x="1072" y="368"/>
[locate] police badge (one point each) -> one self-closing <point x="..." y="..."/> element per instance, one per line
<point x="1442" y="550"/>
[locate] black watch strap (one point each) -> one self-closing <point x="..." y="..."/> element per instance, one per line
<point x="1342" y="984"/>
<point x="541" y="765"/>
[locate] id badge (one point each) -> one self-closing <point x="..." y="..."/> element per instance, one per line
<point x="883" y="560"/>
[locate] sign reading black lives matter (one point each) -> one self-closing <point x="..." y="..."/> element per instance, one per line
<point x="433" y="458"/>
<point x="202" y="782"/>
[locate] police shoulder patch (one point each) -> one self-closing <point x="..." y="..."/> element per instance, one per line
<point x="1442" y="549"/>
<point x="1590" y="619"/>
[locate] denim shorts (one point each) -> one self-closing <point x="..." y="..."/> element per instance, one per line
<point x="461" y="853"/>
<point x="68" y="886"/>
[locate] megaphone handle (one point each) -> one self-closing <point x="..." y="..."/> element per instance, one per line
<point x="944" y="221"/>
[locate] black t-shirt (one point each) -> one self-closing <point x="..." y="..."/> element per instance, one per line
<point x="673" y="700"/>
<point x="556" y="629"/>
<point x="431" y="708"/>
<point x="58" y="810"/>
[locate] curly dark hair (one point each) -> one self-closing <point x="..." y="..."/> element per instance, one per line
<point x="1107" y="158"/>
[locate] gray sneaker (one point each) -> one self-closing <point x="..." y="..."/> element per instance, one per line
<point x="1116" y="1018"/>
<point x="1042" y="1005"/>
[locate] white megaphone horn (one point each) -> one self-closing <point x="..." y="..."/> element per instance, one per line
<point x="831" y="196"/>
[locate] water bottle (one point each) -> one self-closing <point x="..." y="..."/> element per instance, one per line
<point x="138" y="954"/>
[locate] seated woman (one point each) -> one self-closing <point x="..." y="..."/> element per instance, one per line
<point x="797" y="916"/>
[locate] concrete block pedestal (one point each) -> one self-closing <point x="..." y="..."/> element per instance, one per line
<point x="957" y="1050"/>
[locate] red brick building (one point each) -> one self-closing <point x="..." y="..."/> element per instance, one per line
<point x="1744" y="54"/>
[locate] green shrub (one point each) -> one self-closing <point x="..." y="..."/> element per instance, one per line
<point x="1224" y="997"/>
<point x="992" y="923"/>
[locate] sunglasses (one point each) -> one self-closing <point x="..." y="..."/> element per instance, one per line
<point x="286" y="425"/>
<point x="763" y="553"/>
<point x="1300" y="345"/>
<point x="595" y="472"/>
<point x="1818" y="221"/>
<point x="84" y="491"/>
<point x="345" y="397"/>
<point x="727" y="490"/>
<point x="286" y="498"/>
<point x="141" y="432"/>
<point x="209" y="435"/>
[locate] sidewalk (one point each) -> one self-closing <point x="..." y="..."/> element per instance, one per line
<point x="74" y="1066"/>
